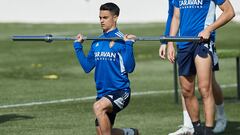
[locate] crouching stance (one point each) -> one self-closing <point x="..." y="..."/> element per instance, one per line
<point x="112" y="60"/>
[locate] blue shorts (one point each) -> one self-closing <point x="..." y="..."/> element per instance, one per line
<point x="186" y="56"/>
<point x="119" y="100"/>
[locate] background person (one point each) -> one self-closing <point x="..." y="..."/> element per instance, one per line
<point x="221" y="120"/>
<point x="195" y="11"/>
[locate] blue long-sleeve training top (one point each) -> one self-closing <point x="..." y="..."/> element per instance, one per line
<point x="112" y="64"/>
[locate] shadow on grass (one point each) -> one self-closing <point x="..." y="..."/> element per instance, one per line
<point x="13" y="117"/>
<point x="233" y="128"/>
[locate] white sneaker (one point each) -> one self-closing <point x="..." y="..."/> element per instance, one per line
<point x="183" y="130"/>
<point x="220" y="126"/>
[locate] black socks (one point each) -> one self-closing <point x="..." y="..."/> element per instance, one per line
<point x="200" y="130"/>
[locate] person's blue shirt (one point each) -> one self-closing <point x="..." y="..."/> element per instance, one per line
<point x="112" y="65"/>
<point x="195" y="15"/>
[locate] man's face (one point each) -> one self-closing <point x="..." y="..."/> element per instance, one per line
<point x="107" y="20"/>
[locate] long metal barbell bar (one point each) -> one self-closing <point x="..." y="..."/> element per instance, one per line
<point x="49" y="38"/>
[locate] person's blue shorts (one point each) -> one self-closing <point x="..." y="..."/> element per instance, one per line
<point x="119" y="100"/>
<point x="186" y="56"/>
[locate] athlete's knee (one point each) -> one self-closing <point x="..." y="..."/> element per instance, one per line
<point x="187" y="91"/>
<point x="205" y="91"/>
<point x="204" y="87"/>
<point x="98" y="108"/>
<point x="206" y="95"/>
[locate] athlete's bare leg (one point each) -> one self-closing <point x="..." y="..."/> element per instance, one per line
<point x="204" y="75"/>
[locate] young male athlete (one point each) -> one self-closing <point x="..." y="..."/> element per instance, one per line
<point x="112" y="60"/>
<point x="221" y="121"/>
<point x="197" y="18"/>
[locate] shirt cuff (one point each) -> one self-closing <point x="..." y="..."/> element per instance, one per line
<point x="130" y="43"/>
<point x="77" y="45"/>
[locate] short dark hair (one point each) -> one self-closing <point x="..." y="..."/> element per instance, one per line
<point x="113" y="8"/>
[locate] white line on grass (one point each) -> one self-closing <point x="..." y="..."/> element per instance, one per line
<point x="93" y="97"/>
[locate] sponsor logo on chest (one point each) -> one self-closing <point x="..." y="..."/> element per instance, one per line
<point x="111" y="56"/>
<point x="190" y="3"/>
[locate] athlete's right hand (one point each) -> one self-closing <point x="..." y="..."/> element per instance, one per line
<point x="79" y="38"/>
<point x="129" y="37"/>
<point x="162" y="51"/>
<point x="171" y="52"/>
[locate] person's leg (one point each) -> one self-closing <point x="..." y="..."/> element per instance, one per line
<point x="100" y="108"/>
<point x="204" y="75"/>
<point x="221" y="120"/>
<point x="106" y="110"/>
<point x="98" y="130"/>
<point x="191" y="101"/>
<point x="187" y="86"/>
<point x="116" y="131"/>
<point x="217" y="91"/>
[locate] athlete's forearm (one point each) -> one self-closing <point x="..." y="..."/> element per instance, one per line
<point x="227" y="14"/>
<point x="87" y="63"/>
<point x="128" y="57"/>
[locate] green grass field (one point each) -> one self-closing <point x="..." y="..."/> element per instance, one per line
<point x="23" y="65"/>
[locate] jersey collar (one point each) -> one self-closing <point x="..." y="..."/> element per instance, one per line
<point x="111" y="33"/>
